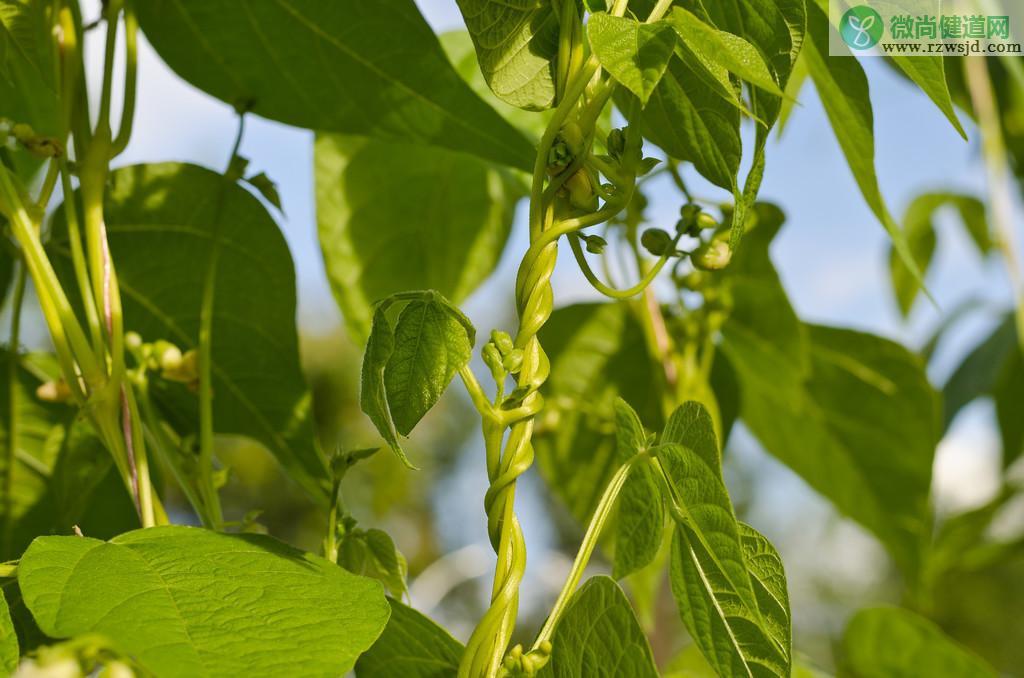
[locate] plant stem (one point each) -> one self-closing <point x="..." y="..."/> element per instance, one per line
<point x="590" y="539"/>
<point x="13" y="428"/>
<point x="1000" y="202"/>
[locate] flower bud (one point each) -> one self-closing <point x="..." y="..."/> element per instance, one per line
<point x="54" y="391"/>
<point x="513" y="362"/>
<point x="186" y="371"/>
<point x="595" y="243"/>
<point x="581" y="191"/>
<point x="503" y="341"/>
<point x="713" y="256"/>
<point x="656" y="241"/>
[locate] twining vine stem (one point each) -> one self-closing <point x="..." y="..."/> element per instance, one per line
<point x="486" y="648"/>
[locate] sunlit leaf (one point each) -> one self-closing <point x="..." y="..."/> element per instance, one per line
<point x="186" y="602"/>
<point x="351" y="67"/>
<point x="598" y="635"/>
<point x="888" y="642"/>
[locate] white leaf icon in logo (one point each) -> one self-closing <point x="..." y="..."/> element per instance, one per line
<point x="862" y="39"/>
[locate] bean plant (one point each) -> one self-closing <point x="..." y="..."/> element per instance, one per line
<point x="168" y="293"/>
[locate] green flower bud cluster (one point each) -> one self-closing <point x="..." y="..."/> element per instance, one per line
<point x="626" y="151"/>
<point x="518" y="664"/>
<point x="693" y="220"/>
<point x="166" y="359"/>
<point x="501" y="356"/>
<point x="14" y="134"/>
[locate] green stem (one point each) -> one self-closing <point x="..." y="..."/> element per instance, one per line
<point x="131" y="30"/>
<point x="996" y="163"/>
<point x="161" y="440"/>
<point x="13" y="427"/>
<point x="590" y="539"/>
<point x="613" y="293"/>
<point x="206" y="433"/>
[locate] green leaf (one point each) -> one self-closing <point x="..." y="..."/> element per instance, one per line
<point x="372" y="553"/>
<point x="373" y="396"/>
<point x="691" y="122"/>
<point x="640" y="522"/>
<point x="374" y="69"/>
<point x="929" y="74"/>
<point x="920" y="234"/>
<point x="458" y="45"/>
<point x="597" y="354"/>
<point x="635" y="54"/>
<point x="394" y="217"/>
<point x="598" y="635"/>
<point x="980" y="370"/>
<point x="406" y="369"/>
<point x="1009" y="394"/>
<point x="516" y="45"/>
<point x="411" y="646"/>
<point x="851" y="413"/>
<point x="735" y="638"/>
<point x="267" y="188"/>
<point x="162" y="223"/>
<point x="58" y="468"/>
<point x="28" y="93"/>
<point x="843" y="90"/>
<point x="888" y="642"/>
<point x="995" y="368"/>
<point x="729" y="50"/>
<point x="728" y="581"/>
<point x="185" y="602"/>
<point x="862" y="431"/>
<point x="8" y="640"/>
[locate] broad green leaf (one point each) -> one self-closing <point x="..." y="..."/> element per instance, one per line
<point x="516" y="45"/>
<point x="408" y="367"/>
<point x="993" y="368"/>
<point x="598" y="637"/>
<point x="597" y="353"/>
<point x="8" y="640"/>
<point x="185" y="602"/>
<point x="843" y="90"/>
<point x="727" y="580"/>
<point x="635" y="54"/>
<point x="431" y="345"/>
<point x="860" y="428"/>
<point x="851" y="413"/>
<point x="394" y="217"/>
<point x="978" y="601"/>
<point x="372" y="553"/>
<point x="888" y="642"/>
<point x="1009" y="394"/>
<point x="920" y="234"/>
<point x="411" y="646"/>
<point x="772" y="26"/>
<point x="28" y="93"/>
<point x="729" y="50"/>
<point x="640" y="521"/>
<point x="797" y="78"/>
<point x="352" y="67"/>
<point x="763" y="328"/>
<point x="373" y="396"/>
<point x="458" y="45"/>
<point x="737" y="639"/>
<point x="57" y="475"/>
<point x="691" y="122"/>
<point x="979" y="371"/>
<point x="929" y="74"/>
<point x="167" y="224"/>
